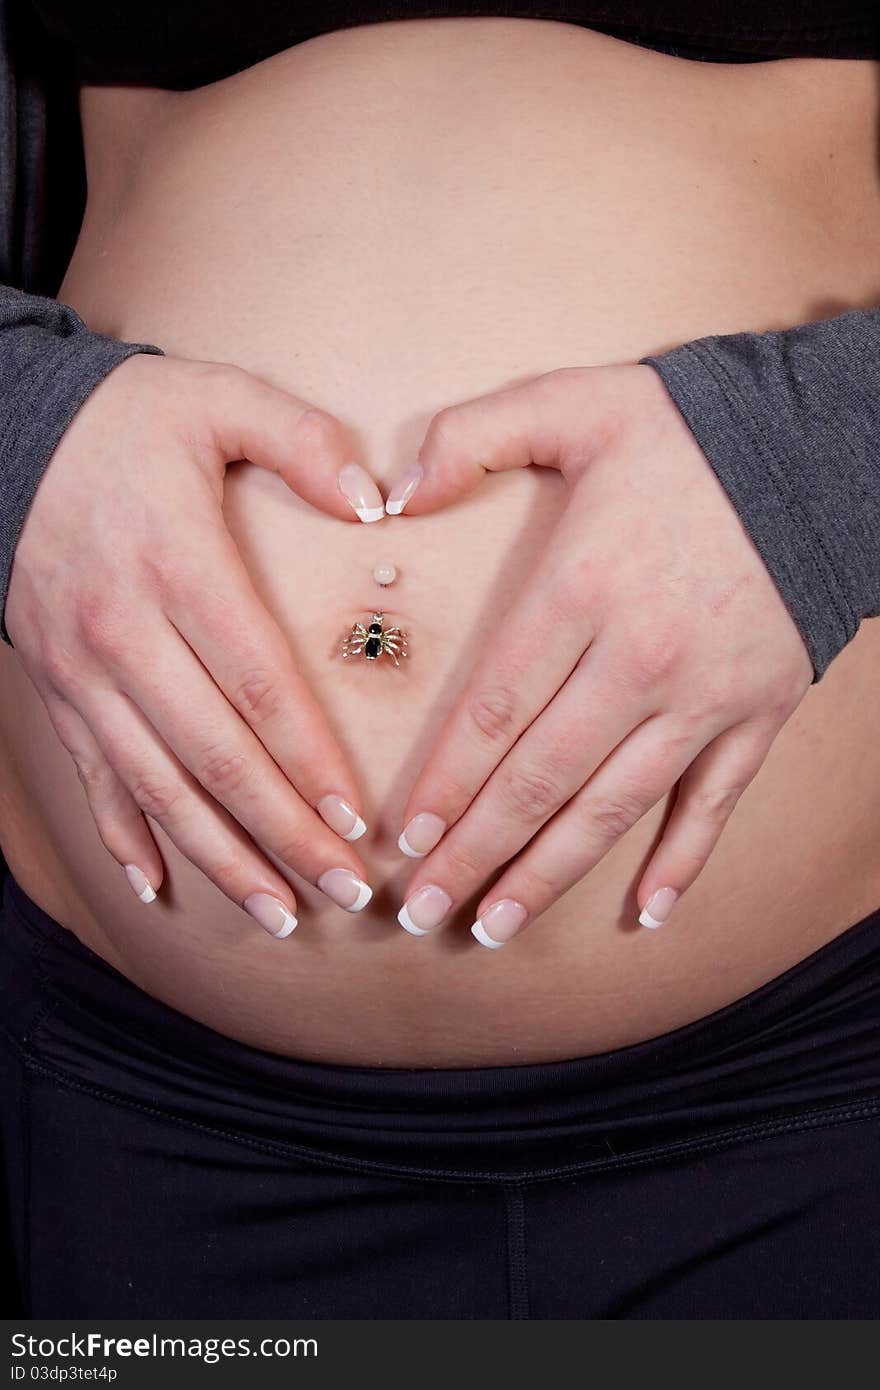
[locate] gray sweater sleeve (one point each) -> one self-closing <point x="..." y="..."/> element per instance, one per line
<point x="790" y="422"/>
<point x="49" y="363"/>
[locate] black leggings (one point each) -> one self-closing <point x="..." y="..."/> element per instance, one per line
<point x="155" y="1168"/>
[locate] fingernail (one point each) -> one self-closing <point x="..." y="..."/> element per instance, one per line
<point x="658" y="907"/>
<point x="425" y="910"/>
<point x="140" y="883"/>
<point x="403" y="489"/>
<point x="345" y="888"/>
<point x="422" y="833"/>
<point x="499" y="923"/>
<point x="341" y="817"/>
<point x="359" y="490"/>
<point x="271" y="914"/>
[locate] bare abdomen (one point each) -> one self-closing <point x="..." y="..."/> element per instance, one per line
<point x="386" y="220"/>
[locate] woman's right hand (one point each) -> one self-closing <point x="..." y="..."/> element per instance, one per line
<point x="169" y="683"/>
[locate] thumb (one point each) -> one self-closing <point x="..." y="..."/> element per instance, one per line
<point x="307" y="447"/>
<point x="551" y="421"/>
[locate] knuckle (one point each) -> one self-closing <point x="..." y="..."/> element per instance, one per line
<point x="258" y="695"/>
<point x="613" y="816"/>
<point x="297" y="848"/>
<point x="653" y="656"/>
<point x="561" y="378"/>
<point x="103" y="623"/>
<point x="228" y="875"/>
<point x="222" y="376"/>
<point x="60" y="668"/>
<point x="169" y="570"/>
<point x="154" y="797"/>
<point x="216" y="384"/>
<point x="318" y="431"/>
<point x="690" y="863"/>
<point x="222" y="771"/>
<point x="535" y="887"/>
<point x="673" y="750"/>
<point x="783" y="700"/>
<point x="608" y="414"/>
<point x="462" y="862"/>
<point x="715" y="704"/>
<point x="531" y="794"/>
<point x="451" y="792"/>
<point x="444" y="431"/>
<point x="716" y="804"/>
<point x="492" y="711"/>
<point x="218" y="381"/>
<point x="715" y="692"/>
<point x="93" y="776"/>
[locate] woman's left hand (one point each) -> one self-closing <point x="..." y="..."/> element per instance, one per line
<point x="649" y="646"/>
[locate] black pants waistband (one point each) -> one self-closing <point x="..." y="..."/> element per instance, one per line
<point x="807" y="1040"/>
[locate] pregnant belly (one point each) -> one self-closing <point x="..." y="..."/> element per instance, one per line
<point x="385" y="220"/>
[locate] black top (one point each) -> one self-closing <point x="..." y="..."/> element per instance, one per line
<point x="181" y="44"/>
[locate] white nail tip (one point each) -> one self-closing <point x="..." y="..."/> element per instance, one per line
<point x="359" y="828"/>
<point x="370" y="513"/>
<point x="365" y="892"/>
<point x="479" y="931"/>
<point x="394" y="508"/>
<point x="140" y="884"/>
<point x="646" y="920"/>
<point x="407" y="922"/>
<point x="404" y="845"/>
<point x="289" y="923"/>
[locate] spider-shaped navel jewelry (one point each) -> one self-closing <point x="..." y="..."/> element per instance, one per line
<point x="375" y="640"/>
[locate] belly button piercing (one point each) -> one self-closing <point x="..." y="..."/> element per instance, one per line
<point x="375" y="640"/>
<point x="385" y="575"/>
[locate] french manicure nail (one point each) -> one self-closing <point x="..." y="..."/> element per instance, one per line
<point x="421" y="834"/>
<point x="658" y="907"/>
<point x="403" y="489"/>
<point x="499" y="923"/>
<point x="425" y="910"/>
<point x="345" y="888"/>
<point x="361" y="493"/>
<point x="271" y="914"/>
<point x="140" y="883"/>
<point x="341" y="816"/>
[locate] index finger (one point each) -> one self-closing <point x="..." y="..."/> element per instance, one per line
<point x="535" y="650"/>
<point x="242" y="646"/>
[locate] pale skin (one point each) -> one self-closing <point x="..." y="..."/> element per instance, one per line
<point x="649" y="647"/>
<point x="165" y="677"/>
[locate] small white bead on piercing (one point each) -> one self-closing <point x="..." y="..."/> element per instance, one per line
<point x="384" y="575"/>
